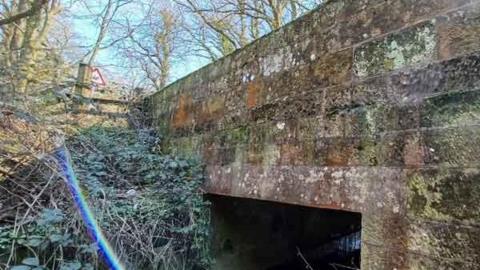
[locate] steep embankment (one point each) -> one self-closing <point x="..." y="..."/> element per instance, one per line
<point x="148" y="204"/>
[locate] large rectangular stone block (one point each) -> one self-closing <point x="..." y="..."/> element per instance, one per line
<point x="452" y="147"/>
<point x="375" y="120"/>
<point x="411" y="46"/>
<point x="459" y="74"/>
<point x="333" y="188"/>
<point x="332" y="69"/>
<point x="445" y="241"/>
<point x="183" y="115"/>
<point x="296" y="105"/>
<point x="451" y="109"/>
<point x="459" y="31"/>
<point x="442" y="194"/>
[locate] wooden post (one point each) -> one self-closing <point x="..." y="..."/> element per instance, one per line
<point x="82" y="86"/>
<point x="84" y="79"/>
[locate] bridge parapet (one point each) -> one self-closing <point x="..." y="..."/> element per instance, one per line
<point x="369" y="106"/>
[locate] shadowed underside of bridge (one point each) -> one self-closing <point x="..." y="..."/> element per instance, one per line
<point x="255" y="234"/>
<point x="366" y="106"/>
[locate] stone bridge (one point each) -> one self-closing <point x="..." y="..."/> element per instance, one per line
<point x="361" y="106"/>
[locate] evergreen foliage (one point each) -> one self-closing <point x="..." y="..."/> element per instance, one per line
<point x="148" y="204"/>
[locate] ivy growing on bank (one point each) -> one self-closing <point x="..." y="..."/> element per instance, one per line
<point x="148" y="204"/>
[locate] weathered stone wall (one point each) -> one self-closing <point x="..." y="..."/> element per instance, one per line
<point x="370" y="106"/>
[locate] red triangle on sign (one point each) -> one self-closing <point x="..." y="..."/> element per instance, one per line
<point x="97" y="77"/>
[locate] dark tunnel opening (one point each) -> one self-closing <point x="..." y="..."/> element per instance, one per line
<point x="259" y="235"/>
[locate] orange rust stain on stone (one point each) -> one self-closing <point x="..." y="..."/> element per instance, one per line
<point x="457" y="40"/>
<point x="212" y="109"/>
<point x="182" y="115"/>
<point x="338" y="157"/>
<point x="413" y="154"/>
<point x="333" y="69"/>
<point x="291" y="154"/>
<point x="255" y="154"/>
<point x="254" y="91"/>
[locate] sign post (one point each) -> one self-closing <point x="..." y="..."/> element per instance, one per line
<point x="82" y="85"/>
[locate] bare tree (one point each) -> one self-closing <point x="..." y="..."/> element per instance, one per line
<point x="105" y="18"/>
<point x="219" y="27"/>
<point x="35" y="8"/>
<point x="24" y="41"/>
<point x="153" y="42"/>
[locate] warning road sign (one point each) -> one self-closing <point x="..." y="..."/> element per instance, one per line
<point x="97" y="77"/>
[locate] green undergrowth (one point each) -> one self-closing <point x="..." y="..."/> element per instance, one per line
<point x="149" y="205"/>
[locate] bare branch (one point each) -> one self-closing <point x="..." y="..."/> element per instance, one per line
<point x="36" y="7"/>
